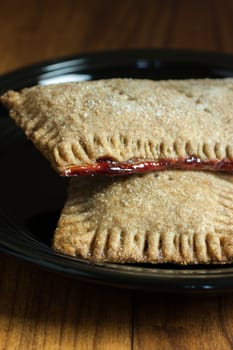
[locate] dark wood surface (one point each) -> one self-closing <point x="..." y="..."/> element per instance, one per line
<point x="40" y="310"/>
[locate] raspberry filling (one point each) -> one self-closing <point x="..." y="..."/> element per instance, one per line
<point x="106" y="166"/>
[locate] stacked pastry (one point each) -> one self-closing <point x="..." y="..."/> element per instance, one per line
<point x="157" y="160"/>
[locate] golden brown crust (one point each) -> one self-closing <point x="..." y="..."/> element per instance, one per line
<point x="173" y="216"/>
<point x="76" y="124"/>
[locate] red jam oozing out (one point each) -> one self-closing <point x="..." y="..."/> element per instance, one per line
<point x="105" y="166"/>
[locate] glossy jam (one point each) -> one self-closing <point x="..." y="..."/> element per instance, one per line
<point x="111" y="167"/>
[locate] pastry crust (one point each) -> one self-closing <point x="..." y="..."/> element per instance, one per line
<point x="129" y="121"/>
<point x="173" y="216"/>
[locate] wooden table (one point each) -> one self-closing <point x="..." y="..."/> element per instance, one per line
<point x="40" y="310"/>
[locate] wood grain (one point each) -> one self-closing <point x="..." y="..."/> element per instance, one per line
<point x="48" y="29"/>
<point x="40" y="310"/>
<point x="183" y="322"/>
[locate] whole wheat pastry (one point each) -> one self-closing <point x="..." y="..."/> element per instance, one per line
<point x="129" y="125"/>
<point x="173" y="216"/>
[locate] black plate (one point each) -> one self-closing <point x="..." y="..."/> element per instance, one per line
<point x="33" y="194"/>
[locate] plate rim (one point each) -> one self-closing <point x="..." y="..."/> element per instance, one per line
<point x="203" y="56"/>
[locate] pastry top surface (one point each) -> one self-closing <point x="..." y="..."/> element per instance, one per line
<point x="77" y="124"/>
